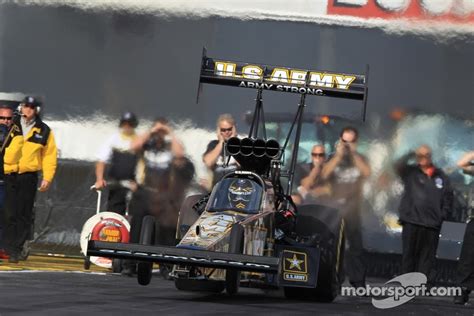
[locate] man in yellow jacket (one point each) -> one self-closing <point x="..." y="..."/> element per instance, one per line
<point x="38" y="155"/>
<point x="12" y="145"/>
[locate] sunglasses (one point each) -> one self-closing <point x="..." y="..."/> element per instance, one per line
<point x="347" y="142"/>
<point x="8" y="118"/>
<point x="420" y="156"/>
<point x="223" y="130"/>
<point x="318" y="154"/>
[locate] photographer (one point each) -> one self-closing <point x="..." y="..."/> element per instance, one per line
<point x="159" y="146"/>
<point x="162" y="155"/>
<point x="346" y="171"/>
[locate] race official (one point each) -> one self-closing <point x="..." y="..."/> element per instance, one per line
<point x="425" y="203"/>
<point x="38" y="159"/>
<point x="11" y="142"/>
<point x="346" y="172"/>
<point x="120" y="160"/>
<point x="214" y="157"/>
<point x="465" y="269"/>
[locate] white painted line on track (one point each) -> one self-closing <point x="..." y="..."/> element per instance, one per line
<point x="45" y="271"/>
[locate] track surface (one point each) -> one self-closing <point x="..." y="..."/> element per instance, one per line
<point x="47" y="292"/>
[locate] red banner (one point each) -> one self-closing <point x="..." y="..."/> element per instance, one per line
<point x="457" y="11"/>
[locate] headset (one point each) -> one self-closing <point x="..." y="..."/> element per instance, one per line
<point x="30" y="100"/>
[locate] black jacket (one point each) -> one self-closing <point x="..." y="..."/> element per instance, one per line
<point x="426" y="200"/>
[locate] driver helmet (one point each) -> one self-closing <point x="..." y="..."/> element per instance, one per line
<point x="240" y="193"/>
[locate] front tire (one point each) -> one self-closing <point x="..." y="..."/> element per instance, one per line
<point x="236" y="245"/>
<point x="116" y="265"/>
<point x="147" y="237"/>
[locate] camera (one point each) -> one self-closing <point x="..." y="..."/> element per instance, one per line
<point x="159" y="140"/>
<point x="347" y="148"/>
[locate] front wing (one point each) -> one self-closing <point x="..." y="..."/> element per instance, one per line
<point x="184" y="256"/>
<point x="296" y="266"/>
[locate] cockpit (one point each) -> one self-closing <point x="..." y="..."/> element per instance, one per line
<point x="236" y="194"/>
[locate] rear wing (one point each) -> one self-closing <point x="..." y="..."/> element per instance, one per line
<point x="284" y="79"/>
<point x="303" y="82"/>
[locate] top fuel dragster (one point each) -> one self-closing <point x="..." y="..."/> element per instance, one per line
<point x="248" y="231"/>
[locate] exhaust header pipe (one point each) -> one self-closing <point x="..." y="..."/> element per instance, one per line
<point x="233" y="146"/>
<point x="259" y="148"/>
<point x="246" y="146"/>
<point x="253" y="147"/>
<point x="272" y="148"/>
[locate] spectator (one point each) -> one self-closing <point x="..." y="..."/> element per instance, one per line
<point x="346" y="171"/>
<point x="38" y="154"/>
<point x="214" y="156"/>
<point x="426" y="200"/>
<point x="11" y="143"/>
<point x="465" y="269"/>
<point x="121" y="162"/>
<point x="312" y="187"/>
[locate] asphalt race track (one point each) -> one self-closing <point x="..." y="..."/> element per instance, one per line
<point x="28" y="292"/>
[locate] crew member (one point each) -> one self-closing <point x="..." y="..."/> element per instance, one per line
<point x="11" y="143"/>
<point x="425" y="203"/>
<point x="312" y="186"/>
<point x="465" y="269"/>
<point x="214" y="156"/>
<point x="346" y="172"/>
<point x="116" y="154"/>
<point x="38" y="158"/>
